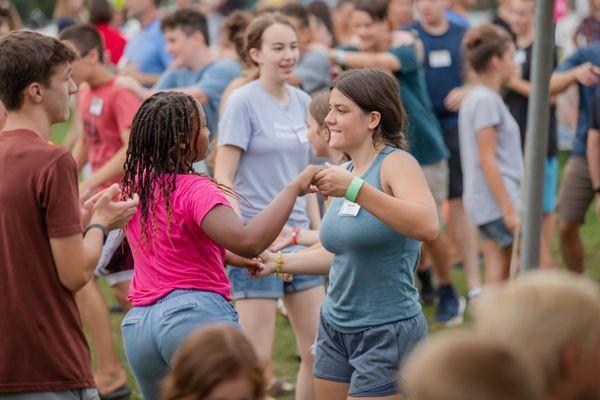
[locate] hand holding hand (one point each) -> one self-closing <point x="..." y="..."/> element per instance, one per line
<point x="304" y="179"/>
<point x="333" y="181"/>
<point x="113" y="213"/>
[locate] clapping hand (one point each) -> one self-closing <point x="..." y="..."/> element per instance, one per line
<point x="112" y="213"/>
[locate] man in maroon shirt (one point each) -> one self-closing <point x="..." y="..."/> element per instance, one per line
<point x="44" y="258"/>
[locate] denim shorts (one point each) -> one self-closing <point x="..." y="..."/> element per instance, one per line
<point x="496" y="231"/>
<point x="368" y="360"/>
<point x="243" y="286"/>
<point x="550" y="185"/>
<point x="153" y="333"/>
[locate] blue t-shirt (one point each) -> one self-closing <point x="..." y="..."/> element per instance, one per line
<point x="275" y="148"/>
<point x="371" y="277"/>
<point x="212" y="79"/>
<point x="458" y="19"/>
<point x="443" y="67"/>
<point x="591" y="54"/>
<point x="146" y="50"/>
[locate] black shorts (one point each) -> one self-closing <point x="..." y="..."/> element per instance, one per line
<point x="455" y="181"/>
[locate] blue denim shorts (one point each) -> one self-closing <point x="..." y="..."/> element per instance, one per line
<point x="368" y="360"/>
<point x="496" y="231"/>
<point x="550" y="185"/>
<point x="152" y="334"/>
<point x="243" y="286"/>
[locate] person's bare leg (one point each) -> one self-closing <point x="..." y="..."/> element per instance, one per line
<point x="571" y="245"/>
<point x="547" y="261"/>
<point x="392" y="397"/>
<point x="257" y="318"/>
<point x="330" y="390"/>
<point x="494" y="262"/>
<point x="109" y="374"/>
<point x="465" y="236"/>
<point x="120" y="291"/>
<point x="438" y="250"/>
<point x="303" y="311"/>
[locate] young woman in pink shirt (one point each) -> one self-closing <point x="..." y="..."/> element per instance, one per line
<point x="181" y="233"/>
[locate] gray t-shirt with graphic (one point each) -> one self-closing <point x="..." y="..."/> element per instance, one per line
<point x="274" y="146"/>
<point x="482" y="108"/>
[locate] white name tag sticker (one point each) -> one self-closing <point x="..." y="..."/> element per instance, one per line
<point x="349" y="209"/>
<point x="96" y="106"/>
<point x="302" y="133"/>
<point x="440" y="59"/>
<point x="520" y="56"/>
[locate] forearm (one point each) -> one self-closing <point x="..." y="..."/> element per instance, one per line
<point x="80" y="152"/>
<point x="112" y="169"/>
<point x="359" y="59"/>
<point x="496" y="184"/>
<point x="593" y="157"/>
<point x="309" y="262"/>
<point x="410" y="219"/>
<point x="313" y="211"/>
<point x="308" y="237"/>
<point x="263" y="229"/>
<point x="560" y="81"/>
<point x="148" y="79"/>
<point x="521" y="86"/>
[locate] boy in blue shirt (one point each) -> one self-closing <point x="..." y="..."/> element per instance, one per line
<point x="443" y="65"/>
<point x="145" y="57"/>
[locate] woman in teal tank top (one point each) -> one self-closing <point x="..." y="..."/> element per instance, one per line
<point x="380" y="210"/>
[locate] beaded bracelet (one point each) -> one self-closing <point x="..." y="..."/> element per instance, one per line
<point x="295" y="232"/>
<point x="279" y="263"/>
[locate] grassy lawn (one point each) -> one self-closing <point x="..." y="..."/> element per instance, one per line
<point x="285" y="359"/>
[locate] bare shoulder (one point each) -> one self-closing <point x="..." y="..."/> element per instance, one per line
<point x="399" y="167"/>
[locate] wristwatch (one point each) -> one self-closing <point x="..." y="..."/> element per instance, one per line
<point x="97" y="226"/>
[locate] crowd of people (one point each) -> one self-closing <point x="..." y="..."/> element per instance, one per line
<point x="333" y="162"/>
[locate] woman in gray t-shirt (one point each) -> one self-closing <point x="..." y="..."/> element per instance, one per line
<point x="263" y="144"/>
<point x="490" y="148"/>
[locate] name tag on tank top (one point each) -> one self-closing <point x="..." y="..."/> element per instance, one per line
<point x="440" y="59"/>
<point x="349" y="209"/>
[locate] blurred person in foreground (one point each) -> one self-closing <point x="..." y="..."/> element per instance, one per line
<point x="552" y="321"/>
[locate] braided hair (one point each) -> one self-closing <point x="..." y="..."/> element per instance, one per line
<point x="162" y="144"/>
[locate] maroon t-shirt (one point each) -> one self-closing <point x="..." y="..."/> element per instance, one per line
<point x="42" y="345"/>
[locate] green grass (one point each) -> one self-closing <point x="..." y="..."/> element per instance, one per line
<point x="285" y="355"/>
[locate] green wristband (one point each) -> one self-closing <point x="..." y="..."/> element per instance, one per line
<point x="353" y="189"/>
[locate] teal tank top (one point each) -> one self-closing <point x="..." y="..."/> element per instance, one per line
<point x="371" y="279"/>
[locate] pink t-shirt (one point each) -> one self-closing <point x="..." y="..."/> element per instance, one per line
<point x="187" y="258"/>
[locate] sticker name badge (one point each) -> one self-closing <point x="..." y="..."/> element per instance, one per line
<point x="440" y="59"/>
<point x="96" y="106"/>
<point x="520" y="56"/>
<point x="349" y="209"/>
<point x="302" y="133"/>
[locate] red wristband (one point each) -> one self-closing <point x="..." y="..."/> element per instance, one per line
<point x="295" y="232"/>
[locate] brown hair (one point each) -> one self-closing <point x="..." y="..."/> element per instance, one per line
<point x="460" y="364"/>
<point x="483" y="42"/>
<point x="9" y="16"/>
<point x="188" y="21"/>
<point x="258" y="26"/>
<point x="377" y="9"/>
<point x="101" y="12"/>
<point x="27" y="57"/>
<point x="85" y="38"/>
<point x="211" y="356"/>
<point x="319" y="106"/>
<point x="373" y="89"/>
<point x="234" y="26"/>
